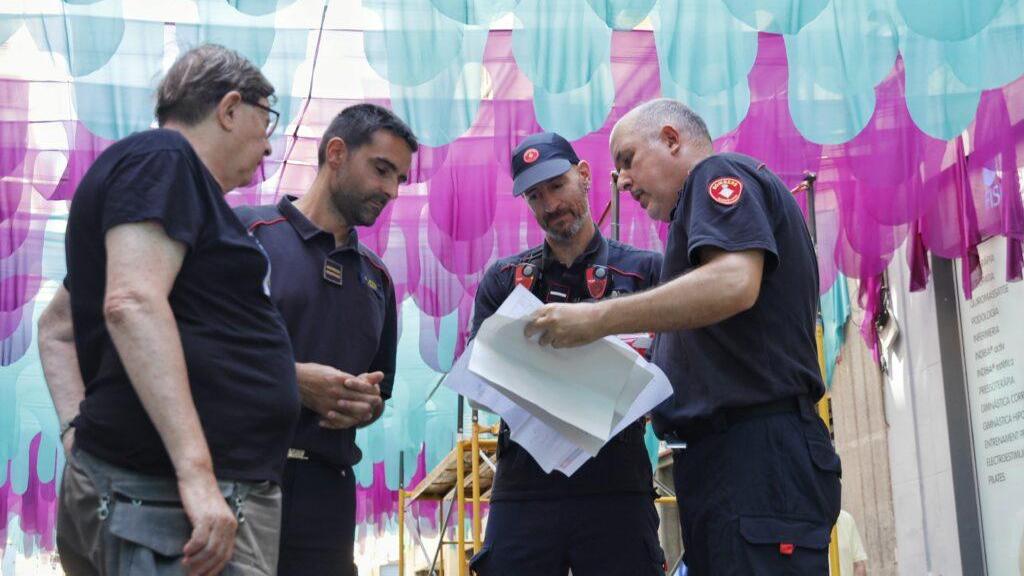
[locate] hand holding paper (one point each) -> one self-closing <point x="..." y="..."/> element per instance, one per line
<point x="562" y="405"/>
<point x="564" y="325"/>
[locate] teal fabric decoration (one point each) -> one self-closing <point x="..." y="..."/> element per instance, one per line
<point x="117" y="99"/>
<point x="778" y="16"/>
<point x="948" y="20"/>
<point x="444" y="107"/>
<point x="447" y="340"/>
<point x="722" y="111"/>
<point x="560" y="45"/>
<point x="993" y="57"/>
<point x="474" y="11"/>
<point x="941" y="105"/>
<point x="835" y="311"/>
<point x="701" y="47"/>
<point x="576" y="113"/>
<point x="416" y="44"/>
<point x="828" y="117"/>
<point x="250" y="36"/>
<point x="259" y="7"/>
<point x="26" y="410"/>
<point x="407" y="412"/>
<point x="285" y="57"/>
<point x="653" y="446"/>
<point x="9" y="24"/>
<point x="848" y="49"/>
<point x="622" y="14"/>
<point x="86" y="36"/>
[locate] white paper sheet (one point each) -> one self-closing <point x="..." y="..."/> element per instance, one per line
<point x="588" y="387"/>
<point x="547" y="417"/>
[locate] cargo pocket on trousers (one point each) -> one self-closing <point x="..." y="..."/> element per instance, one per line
<point x="822" y="453"/>
<point x="150" y="537"/>
<point x="779" y="546"/>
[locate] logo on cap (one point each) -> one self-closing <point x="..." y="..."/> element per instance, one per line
<point x="726" y="191"/>
<point x="531" y="155"/>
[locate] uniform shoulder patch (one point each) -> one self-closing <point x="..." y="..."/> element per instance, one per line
<point x="725" y="191"/>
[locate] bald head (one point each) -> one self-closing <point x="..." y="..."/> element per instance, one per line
<point x="647" y="120"/>
<point x="654" y="147"/>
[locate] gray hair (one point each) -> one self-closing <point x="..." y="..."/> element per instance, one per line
<point x="199" y="78"/>
<point x="648" y="118"/>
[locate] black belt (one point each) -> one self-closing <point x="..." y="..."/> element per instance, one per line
<point x="300" y="455"/>
<point x="725" y="418"/>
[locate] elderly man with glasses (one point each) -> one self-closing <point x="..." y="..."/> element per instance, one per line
<point x="170" y="368"/>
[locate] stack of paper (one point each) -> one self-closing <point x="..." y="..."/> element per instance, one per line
<point x="562" y="405"/>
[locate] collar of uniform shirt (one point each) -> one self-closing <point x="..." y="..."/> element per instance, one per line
<point x="548" y="259"/>
<point x="306" y="229"/>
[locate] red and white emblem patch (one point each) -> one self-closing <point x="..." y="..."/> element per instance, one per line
<point x="726" y="191"/>
<point x="531" y="155"/>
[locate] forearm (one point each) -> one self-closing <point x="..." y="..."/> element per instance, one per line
<point x="860" y="568"/>
<point x="309" y="376"/>
<point x="63" y="377"/>
<point x="59" y="358"/>
<point x="705" y="296"/>
<point x="147" y="340"/>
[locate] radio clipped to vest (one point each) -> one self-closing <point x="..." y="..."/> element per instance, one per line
<point x="527" y="274"/>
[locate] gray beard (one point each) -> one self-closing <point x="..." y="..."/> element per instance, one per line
<point x="570" y="233"/>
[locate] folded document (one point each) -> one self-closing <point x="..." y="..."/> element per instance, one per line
<point x="562" y="405"/>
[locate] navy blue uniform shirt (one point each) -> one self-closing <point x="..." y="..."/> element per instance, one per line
<point x="622" y="465"/>
<point x="767" y="353"/>
<point x="348" y="322"/>
<point x="239" y="361"/>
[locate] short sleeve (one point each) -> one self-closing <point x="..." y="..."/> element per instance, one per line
<point x="386" y="359"/>
<point x="159" y="186"/>
<point x="489" y="296"/>
<point x="724" y="207"/>
<point x="654" y="277"/>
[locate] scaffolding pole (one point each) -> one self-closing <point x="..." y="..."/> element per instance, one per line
<point x="825" y="404"/>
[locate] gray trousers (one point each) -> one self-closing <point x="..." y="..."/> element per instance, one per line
<point x="112" y="521"/>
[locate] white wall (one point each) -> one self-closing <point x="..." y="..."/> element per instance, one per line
<point x="926" y="526"/>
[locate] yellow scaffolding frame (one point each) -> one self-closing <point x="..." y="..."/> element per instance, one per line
<point x="825" y="404"/>
<point x="447" y="481"/>
<point x="449" y="477"/>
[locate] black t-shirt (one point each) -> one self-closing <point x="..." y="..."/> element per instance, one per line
<point x="622" y="465"/>
<point x="239" y="360"/>
<point x="349" y="322"/>
<point x="768" y="352"/>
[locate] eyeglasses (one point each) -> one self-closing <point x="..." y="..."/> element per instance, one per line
<point x="273" y="114"/>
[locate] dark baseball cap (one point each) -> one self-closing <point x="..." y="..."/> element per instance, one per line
<point x="538" y="158"/>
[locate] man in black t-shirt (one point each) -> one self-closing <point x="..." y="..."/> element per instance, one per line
<point x="755" y="472"/>
<point x="338" y="302"/>
<point x="169" y="366"/>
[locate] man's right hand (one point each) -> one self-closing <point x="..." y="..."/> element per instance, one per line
<point x="213" y="524"/>
<point x="343" y="400"/>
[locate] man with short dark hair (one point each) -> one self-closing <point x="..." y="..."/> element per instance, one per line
<point x="168" y="364"/>
<point x="756" y="475"/>
<point x="338" y="302"/>
<point x="600" y="521"/>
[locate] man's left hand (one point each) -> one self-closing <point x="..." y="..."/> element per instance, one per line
<point x="565" y="325"/>
<point x="364" y="390"/>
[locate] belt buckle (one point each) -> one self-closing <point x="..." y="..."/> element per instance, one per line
<point x="296" y="454"/>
